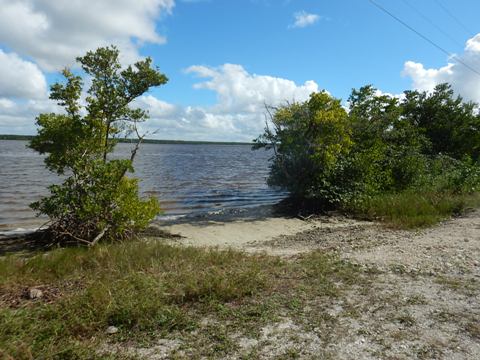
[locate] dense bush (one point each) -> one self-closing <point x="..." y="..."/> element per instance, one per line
<point x="309" y="141"/>
<point x="96" y="200"/>
<point x="425" y="142"/>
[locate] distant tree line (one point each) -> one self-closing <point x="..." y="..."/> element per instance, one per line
<point x="145" y="141"/>
<point x="16" y="137"/>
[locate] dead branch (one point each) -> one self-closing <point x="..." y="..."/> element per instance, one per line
<point x="99" y="236"/>
<point x="273" y="141"/>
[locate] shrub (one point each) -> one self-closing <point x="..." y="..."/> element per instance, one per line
<point x="308" y="139"/>
<point x="96" y="200"/>
<point x="381" y="154"/>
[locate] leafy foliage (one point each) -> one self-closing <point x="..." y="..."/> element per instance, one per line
<point x="96" y="200"/>
<point x="308" y="140"/>
<point x="426" y="142"/>
<point x="450" y="125"/>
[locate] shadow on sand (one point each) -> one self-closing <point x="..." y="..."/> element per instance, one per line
<point x="41" y="240"/>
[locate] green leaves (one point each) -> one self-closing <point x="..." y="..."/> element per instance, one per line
<point x="68" y="95"/>
<point x="308" y="139"/>
<point x="451" y="125"/>
<point x="383" y="145"/>
<point x="137" y="81"/>
<point x="96" y="199"/>
<point x="65" y="139"/>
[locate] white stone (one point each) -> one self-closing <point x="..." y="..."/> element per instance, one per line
<point x="112" y="330"/>
<point x="35" y="293"/>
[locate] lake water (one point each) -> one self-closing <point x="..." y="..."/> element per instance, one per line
<point x="189" y="180"/>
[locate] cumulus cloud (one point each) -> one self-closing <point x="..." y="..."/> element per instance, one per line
<point x="20" y="78"/>
<point x="238" y="114"/>
<point x="48" y="34"/>
<point x="473" y="44"/>
<point x="464" y="81"/>
<point x="304" y="19"/>
<point x="239" y="91"/>
<point x="17" y="117"/>
<point x="54" y="32"/>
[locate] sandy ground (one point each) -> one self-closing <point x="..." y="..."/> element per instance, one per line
<point x="452" y="246"/>
<point x="244" y="234"/>
<point x="424" y="302"/>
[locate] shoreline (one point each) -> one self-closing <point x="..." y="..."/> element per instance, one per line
<point x="422" y="294"/>
<point x="228" y="214"/>
<point x="333" y="285"/>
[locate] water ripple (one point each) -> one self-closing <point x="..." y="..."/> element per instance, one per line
<point x="187" y="179"/>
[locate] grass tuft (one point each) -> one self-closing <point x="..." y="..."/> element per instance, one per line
<point x="408" y="210"/>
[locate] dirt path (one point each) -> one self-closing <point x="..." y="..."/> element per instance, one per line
<point x="451" y="247"/>
<point x="423" y="301"/>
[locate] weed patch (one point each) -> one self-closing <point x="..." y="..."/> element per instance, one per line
<point x="149" y="290"/>
<point x="408" y="210"/>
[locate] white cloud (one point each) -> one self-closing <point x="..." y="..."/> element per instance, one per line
<point x="51" y="33"/>
<point x="54" y="32"/>
<point x="158" y="108"/>
<point x="20" y="78"/>
<point x="391" y="95"/>
<point x="18" y="117"/>
<point x="239" y="91"/>
<point x="23" y="95"/>
<point x="464" y="81"/>
<point x="6" y="104"/>
<point x="304" y="19"/>
<point x="238" y="114"/>
<point x="473" y="44"/>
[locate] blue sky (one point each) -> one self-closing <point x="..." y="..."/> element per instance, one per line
<point x="353" y="45"/>
<point x="225" y="58"/>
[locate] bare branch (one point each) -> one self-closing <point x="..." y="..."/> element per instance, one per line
<point x="273" y="139"/>
<point x="99" y="236"/>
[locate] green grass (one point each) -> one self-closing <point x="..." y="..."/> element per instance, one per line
<point x="149" y="290"/>
<point x="408" y="210"/>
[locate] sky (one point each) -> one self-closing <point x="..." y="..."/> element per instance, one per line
<point x="225" y="59"/>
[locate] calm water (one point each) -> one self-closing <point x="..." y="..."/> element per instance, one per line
<point x="187" y="179"/>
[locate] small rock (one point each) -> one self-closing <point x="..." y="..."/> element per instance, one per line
<point x="112" y="330"/>
<point x="35" y="293"/>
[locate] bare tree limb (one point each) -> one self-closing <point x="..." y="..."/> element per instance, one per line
<point x="99" y="236"/>
<point x="273" y="139"/>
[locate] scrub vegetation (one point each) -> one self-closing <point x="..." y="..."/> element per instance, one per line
<point x="410" y="161"/>
<point x="149" y="290"/>
<point x="96" y="200"/>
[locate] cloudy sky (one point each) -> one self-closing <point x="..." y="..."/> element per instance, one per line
<point x="225" y="59"/>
